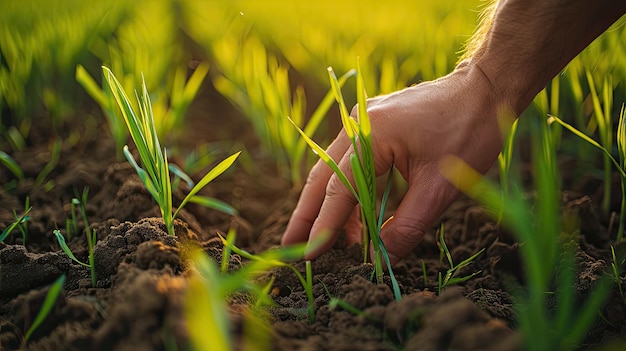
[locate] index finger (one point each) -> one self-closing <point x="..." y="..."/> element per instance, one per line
<point x="313" y="193"/>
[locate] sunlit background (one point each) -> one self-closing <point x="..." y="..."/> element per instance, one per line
<point x="268" y="58"/>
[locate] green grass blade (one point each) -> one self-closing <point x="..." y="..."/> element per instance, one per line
<point x="21" y="219"/>
<point x="10" y="163"/>
<point x="621" y="136"/>
<point x="363" y="117"/>
<point x="212" y="174"/>
<point x="343" y="111"/>
<point x="66" y="249"/>
<point x="323" y="155"/>
<point x="590" y="141"/>
<point x="90" y="86"/>
<point x="128" y="113"/>
<point x="46" y="307"/>
<point x="597" y="108"/>
<point x="230" y="237"/>
<point x="469" y="260"/>
<point x="444" y="247"/>
<point x="361" y="182"/>
<point x="55" y="155"/>
<point x="321" y="110"/>
<point x="309" y="291"/>
<point x="215" y="204"/>
<point x="205" y="307"/>
<point x="182" y="100"/>
<point x="181" y="174"/>
<point x="383" y="201"/>
<point x="394" y="282"/>
<point x="587" y="315"/>
<point x="458" y="280"/>
<point x="143" y="175"/>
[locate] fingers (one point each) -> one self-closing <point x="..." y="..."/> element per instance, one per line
<point x="313" y="194"/>
<point x="425" y="200"/>
<point x="337" y="206"/>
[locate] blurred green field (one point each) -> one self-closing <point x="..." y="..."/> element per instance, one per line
<point x="268" y="58"/>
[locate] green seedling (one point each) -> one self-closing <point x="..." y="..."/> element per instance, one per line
<point x="116" y="124"/>
<point x="206" y="310"/>
<point x="206" y="307"/>
<point x="602" y="107"/>
<point x="89" y="234"/>
<point x="335" y="302"/>
<point x="71" y="224"/>
<point x="202" y="200"/>
<point x="55" y="155"/>
<point x="35" y="82"/>
<point x="547" y="262"/>
<point x="616" y="268"/>
<point x="621" y="148"/>
<point x="619" y="165"/>
<point x="450" y="278"/>
<point x="48" y="303"/>
<point x="20" y="223"/>
<point x="424" y="275"/>
<point x="170" y="117"/>
<point x="505" y="161"/>
<point x="11" y="165"/>
<point x="362" y="166"/>
<point x="155" y="176"/>
<point x="277" y="258"/>
<point x="259" y="84"/>
<point x="15" y="136"/>
<point x="227" y="250"/>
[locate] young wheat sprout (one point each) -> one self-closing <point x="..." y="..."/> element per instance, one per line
<point x="155" y="176"/>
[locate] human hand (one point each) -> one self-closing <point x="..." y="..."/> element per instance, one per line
<point x="413" y="130"/>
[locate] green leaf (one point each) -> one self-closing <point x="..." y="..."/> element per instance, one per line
<point x="458" y="280"/>
<point x="364" y="120"/>
<point x="360" y="181"/>
<point x="323" y="155"/>
<point x="143" y="175"/>
<point x="383" y="202"/>
<point x="46" y="307"/>
<point x="23" y="218"/>
<point x="230" y="237"/>
<point x="205" y="307"/>
<point x="590" y="141"/>
<point x="66" y="249"/>
<point x="213" y="173"/>
<point x="469" y="260"/>
<point x="321" y="110"/>
<point x="89" y="84"/>
<point x="394" y="282"/>
<point x="345" y="115"/>
<point x="213" y="203"/>
<point x="10" y="163"/>
<point x="181" y="174"/>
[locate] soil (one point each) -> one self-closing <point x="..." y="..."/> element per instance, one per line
<point x="137" y="302"/>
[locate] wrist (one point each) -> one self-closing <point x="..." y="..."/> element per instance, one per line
<point x="496" y="96"/>
<point x="512" y="91"/>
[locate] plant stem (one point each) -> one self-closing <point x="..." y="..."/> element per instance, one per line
<point x="622" y="211"/>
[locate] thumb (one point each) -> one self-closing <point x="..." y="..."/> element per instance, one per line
<point x="422" y="205"/>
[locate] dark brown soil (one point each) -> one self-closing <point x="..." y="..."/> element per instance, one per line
<point x="137" y="303"/>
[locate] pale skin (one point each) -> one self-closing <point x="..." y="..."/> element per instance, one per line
<point x="519" y="48"/>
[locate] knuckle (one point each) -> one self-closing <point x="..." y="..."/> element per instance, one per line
<point x="408" y="231"/>
<point x="335" y="187"/>
<point x="315" y="174"/>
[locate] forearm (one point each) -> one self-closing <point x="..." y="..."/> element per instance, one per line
<point x="525" y="43"/>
